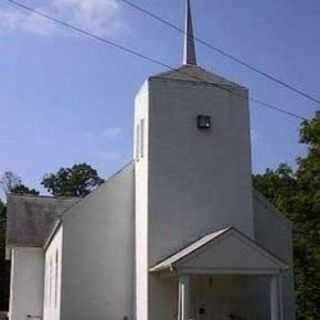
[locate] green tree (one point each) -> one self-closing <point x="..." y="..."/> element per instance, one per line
<point x="22" y="189"/>
<point x="11" y="183"/>
<point x="2" y="211"/>
<point x="77" y="181"/>
<point x="297" y="194"/>
<point x="4" y="265"/>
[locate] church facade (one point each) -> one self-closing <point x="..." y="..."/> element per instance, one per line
<point x="177" y="234"/>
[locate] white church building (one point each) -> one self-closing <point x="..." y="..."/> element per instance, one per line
<point x="177" y="234"/>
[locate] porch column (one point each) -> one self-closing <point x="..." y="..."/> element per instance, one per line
<point x="275" y="298"/>
<point x="184" y="312"/>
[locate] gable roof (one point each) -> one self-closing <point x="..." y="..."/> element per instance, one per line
<point x="196" y="73"/>
<point x="261" y="200"/>
<point x="223" y="250"/>
<point x="82" y="201"/>
<point x="30" y="219"/>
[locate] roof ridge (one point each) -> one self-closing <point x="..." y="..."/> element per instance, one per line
<point x="196" y="73"/>
<point x="115" y="174"/>
<point x="27" y="195"/>
<point x="200" y="238"/>
<point x="210" y="237"/>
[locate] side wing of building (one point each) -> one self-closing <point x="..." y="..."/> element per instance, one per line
<point x="98" y="253"/>
<point x="29" y="223"/>
<point x="274" y="232"/>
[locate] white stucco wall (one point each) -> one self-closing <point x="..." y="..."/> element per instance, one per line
<point x="199" y="181"/>
<point x="189" y="182"/>
<point x="26" y="296"/>
<point x="52" y="278"/>
<point x="274" y="232"/>
<point x="141" y="204"/>
<point x="192" y="182"/>
<point x="98" y="253"/>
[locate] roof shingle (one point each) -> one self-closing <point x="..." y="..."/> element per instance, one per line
<point x="30" y="219"/>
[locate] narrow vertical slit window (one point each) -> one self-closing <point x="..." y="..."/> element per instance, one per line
<point x="56" y="280"/>
<point x="47" y="283"/>
<point x="50" y="282"/>
<point x="142" y="138"/>
<point x="137" y="142"/>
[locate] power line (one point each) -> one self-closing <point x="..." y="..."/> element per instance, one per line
<point x="224" y="53"/>
<point x="275" y="108"/>
<point x="145" y="57"/>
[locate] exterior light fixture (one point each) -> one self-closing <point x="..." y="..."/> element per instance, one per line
<point x="204" y="122"/>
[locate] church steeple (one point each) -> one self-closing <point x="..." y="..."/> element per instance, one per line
<point x="189" y="55"/>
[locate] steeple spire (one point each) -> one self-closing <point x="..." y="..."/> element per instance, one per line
<point x="189" y="55"/>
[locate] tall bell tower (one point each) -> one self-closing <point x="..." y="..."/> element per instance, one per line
<point x="192" y="162"/>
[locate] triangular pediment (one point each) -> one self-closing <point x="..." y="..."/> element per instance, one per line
<point x="227" y="250"/>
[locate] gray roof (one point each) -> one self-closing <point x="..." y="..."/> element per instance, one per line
<point x="167" y="263"/>
<point x="196" y="74"/>
<point x="30" y="219"/>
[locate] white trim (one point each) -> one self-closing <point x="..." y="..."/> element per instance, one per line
<point x="214" y="239"/>
<point x="184" y="297"/>
<point x="281" y="297"/>
<point x="52" y="234"/>
<point x="242" y="271"/>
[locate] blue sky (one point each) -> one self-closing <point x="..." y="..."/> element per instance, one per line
<point x="66" y="99"/>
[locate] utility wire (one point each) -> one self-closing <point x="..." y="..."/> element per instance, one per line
<point x="224" y="53"/>
<point x="145" y="57"/>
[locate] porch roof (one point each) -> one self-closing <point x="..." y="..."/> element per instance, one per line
<point x="224" y="251"/>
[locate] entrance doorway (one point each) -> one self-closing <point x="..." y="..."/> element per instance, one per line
<point x="223" y="297"/>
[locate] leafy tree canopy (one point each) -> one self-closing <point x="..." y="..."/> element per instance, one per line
<point x="77" y="181"/>
<point x="22" y="189"/>
<point x="2" y="211"/>
<point x="11" y="183"/>
<point x="297" y="194"/>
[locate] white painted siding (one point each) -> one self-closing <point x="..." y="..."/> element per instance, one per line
<point x="26" y="283"/>
<point x="98" y="253"/>
<point x="52" y="278"/>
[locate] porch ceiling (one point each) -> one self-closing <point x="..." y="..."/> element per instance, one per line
<point x="225" y="251"/>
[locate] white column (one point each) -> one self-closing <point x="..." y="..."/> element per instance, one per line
<point x="281" y="310"/>
<point x="184" y="312"/>
<point x="275" y="308"/>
